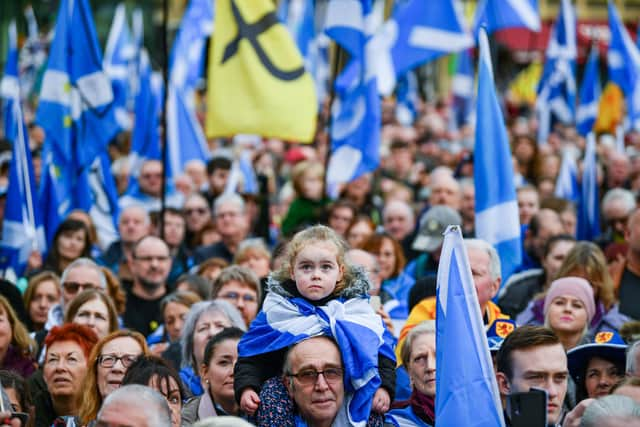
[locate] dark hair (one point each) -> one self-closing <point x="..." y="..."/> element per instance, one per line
<point x="197" y="284"/>
<point x="11" y="379"/>
<point x="551" y="242"/>
<point x="218" y="163"/>
<point x="147" y="367"/>
<point x="522" y="338"/>
<point x="231" y="333"/>
<point x="558" y="205"/>
<point x="342" y="203"/>
<point x="581" y="387"/>
<point x="67" y="226"/>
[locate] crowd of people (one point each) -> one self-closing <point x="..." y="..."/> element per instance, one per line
<point x="282" y="306"/>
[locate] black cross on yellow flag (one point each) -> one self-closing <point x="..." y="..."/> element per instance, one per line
<point x="257" y="81"/>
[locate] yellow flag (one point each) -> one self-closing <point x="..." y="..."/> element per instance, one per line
<point x="257" y="81"/>
<point x="610" y="109"/>
<point x="523" y="87"/>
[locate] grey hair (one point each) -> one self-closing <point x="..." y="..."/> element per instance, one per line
<point x="236" y="273"/>
<point x="632" y="355"/>
<point x="494" y="258"/>
<point x="142" y="398"/>
<point x="610" y="407"/>
<point x="223" y="421"/>
<point x="422" y="328"/>
<point x="228" y="198"/>
<point x="624" y="195"/>
<point x="403" y="205"/>
<point x="138" y="207"/>
<point x="84" y="262"/>
<point x="197" y="310"/>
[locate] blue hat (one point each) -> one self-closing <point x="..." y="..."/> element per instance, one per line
<point x="498" y="331"/>
<point x="607" y="345"/>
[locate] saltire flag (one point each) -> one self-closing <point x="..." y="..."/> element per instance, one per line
<point x="587" y="111"/>
<point x="355" y="126"/>
<point x="349" y="23"/>
<point x="557" y="89"/>
<point x="416" y="33"/>
<point x="257" y="80"/>
<point x="358" y="332"/>
<point x="22" y="228"/>
<point x="623" y="58"/>
<point x="407" y="99"/>
<point x="466" y="388"/>
<point x="462" y="89"/>
<point x="567" y="182"/>
<point x="77" y="114"/>
<point x="496" y="15"/>
<point x="119" y="57"/>
<point x="496" y="218"/>
<point x="185" y="137"/>
<point x="589" y="209"/>
<point x="33" y="55"/>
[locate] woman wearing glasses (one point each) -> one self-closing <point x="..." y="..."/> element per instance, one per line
<point x="216" y="371"/>
<point x="240" y="287"/>
<point x="108" y="363"/>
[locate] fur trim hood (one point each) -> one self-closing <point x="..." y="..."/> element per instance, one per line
<point x="358" y="284"/>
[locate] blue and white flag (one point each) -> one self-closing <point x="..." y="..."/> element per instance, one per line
<point x="623" y="58"/>
<point x="557" y="88"/>
<point x="589" y="209"/>
<point x="358" y="331"/>
<point x="32" y="55"/>
<point x="299" y="18"/>
<point x="22" y="228"/>
<point x="497" y="220"/>
<point x="462" y="88"/>
<point x="348" y="23"/>
<point x="118" y="63"/>
<point x="407" y="99"/>
<point x="587" y="111"/>
<point x="496" y="15"/>
<point x="416" y="33"/>
<point x="76" y="112"/>
<point x="567" y="181"/>
<point x="466" y="389"/>
<point x="185" y="138"/>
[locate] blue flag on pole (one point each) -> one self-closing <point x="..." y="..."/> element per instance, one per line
<point x="557" y="88"/>
<point x="407" y="99"/>
<point x="589" y="210"/>
<point x="119" y="62"/>
<point x="567" y="181"/>
<point x="497" y="15"/>
<point x="587" y="111"/>
<point x="462" y="88"/>
<point x="347" y="23"/>
<point x="466" y="390"/>
<point x="623" y="58"/>
<point x="185" y="138"/>
<point x="22" y="229"/>
<point x="76" y="112"/>
<point x="497" y="219"/>
<point x="416" y="33"/>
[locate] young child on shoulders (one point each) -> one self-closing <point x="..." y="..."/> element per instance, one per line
<point x="315" y="282"/>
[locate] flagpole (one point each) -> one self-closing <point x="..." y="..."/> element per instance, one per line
<point x="338" y="58"/>
<point x="163" y="119"/>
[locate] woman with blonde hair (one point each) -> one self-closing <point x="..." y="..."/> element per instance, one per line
<point x="108" y="362"/>
<point x="42" y="293"/>
<point x="95" y="309"/>
<point x="587" y="261"/>
<point x="16" y="347"/>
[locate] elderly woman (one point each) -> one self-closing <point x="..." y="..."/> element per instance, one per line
<point x="66" y="363"/>
<point x="205" y="320"/>
<point x="220" y="356"/>
<point x="418" y="354"/>
<point x="109" y="361"/>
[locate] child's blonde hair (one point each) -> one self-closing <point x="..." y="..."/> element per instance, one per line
<point x="304" y="170"/>
<point x="315" y="234"/>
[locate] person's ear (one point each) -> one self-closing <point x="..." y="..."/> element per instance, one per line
<point x="204" y="370"/>
<point x="496" y="286"/>
<point x="503" y="383"/>
<point x="288" y="383"/>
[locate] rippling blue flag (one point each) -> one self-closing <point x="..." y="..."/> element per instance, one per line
<point x="119" y="62"/>
<point x="407" y="99"/>
<point x="589" y="209"/>
<point x="418" y="32"/>
<point x="185" y="138"/>
<point x="76" y="112"/>
<point x="22" y="228"/>
<point x="587" y="111"/>
<point x="466" y="390"/>
<point x="567" y="181"/>
<point x="557" y="87"/>
<point x="462" y="88"/>
<point x="497" y="15"/>
<point x="497" y="219"/>
<point x="623" y="58"/>
<point x="346" y="23"/>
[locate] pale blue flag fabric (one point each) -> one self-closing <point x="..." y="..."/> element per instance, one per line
<point x="587" y="111"/>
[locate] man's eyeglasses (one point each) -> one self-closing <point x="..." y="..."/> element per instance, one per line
<point x="234" y="296"/>
<point x="149" y="258"/>
<point x="310" y="376"/>
<point x="109" y="360"/>
<point x="199" y="211"/>
<point x="73" y="287"/>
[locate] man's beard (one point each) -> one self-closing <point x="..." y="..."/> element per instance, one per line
<point x="149" y="285"/>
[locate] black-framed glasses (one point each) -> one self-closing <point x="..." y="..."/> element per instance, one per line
<point x="199" y="211"/>
<point x="234" y="296"/>
<point x="109" y="360"/>
<point x="310" y="376"/>
<point x="74" y="287"/>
